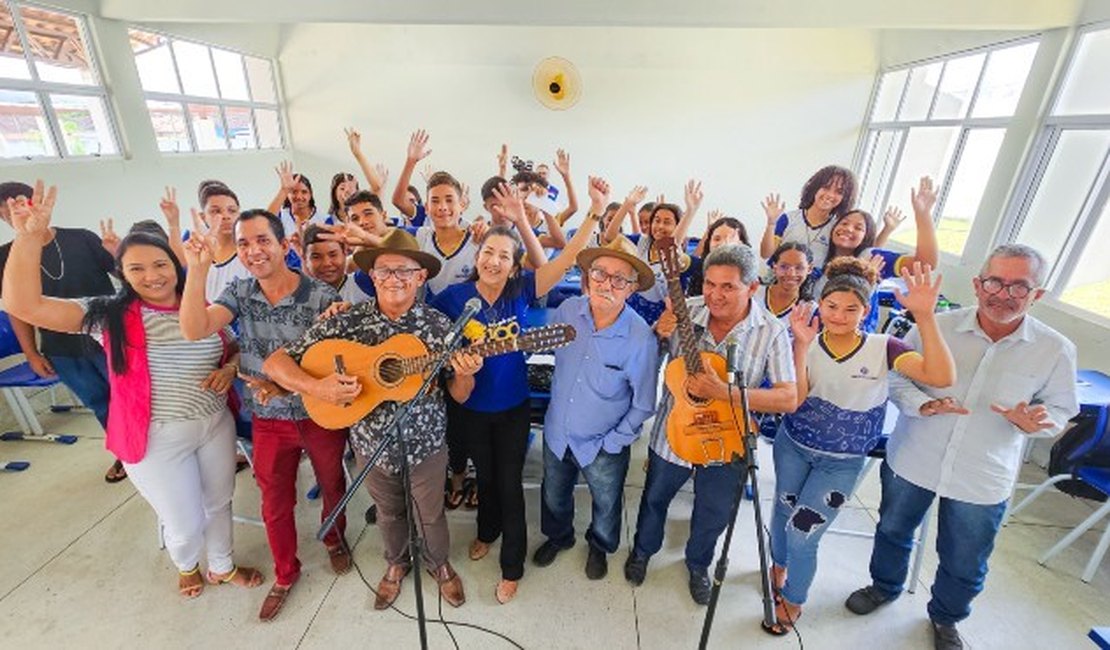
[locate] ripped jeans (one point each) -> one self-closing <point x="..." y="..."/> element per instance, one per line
<point x="810" y="488"/>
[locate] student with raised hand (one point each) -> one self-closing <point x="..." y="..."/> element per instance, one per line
<point x="546" y="226"/>
<point x="828" y="194"/>
<point x="494" y="422"/>
<point x="219" y="208"/>
<point x="667" y="220"/>
<point x="611" y="226"/>
<point x="821" y="447"/>
<point x="792" y="266"/>
<point x="853" y="235"/>
<point x="405" y="197"/>
<point x="375" y="179"/>
<point x="721" y="231"/>
<point x="343" y="185"/>
<point x="295" y="205"/>
<point x="168" y="420"/>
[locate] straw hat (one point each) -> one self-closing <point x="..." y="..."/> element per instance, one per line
<point x="622" y="249"/>
<point x="397" y="242"/>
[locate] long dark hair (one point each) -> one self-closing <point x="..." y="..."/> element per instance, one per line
<point x="731" y="222"/>
<point x="515" y="284"/>
<point x="868" y="234"/>
<point x="106" y="312"/>
<point x="336" y="206"/>
<point x="826" y="176"/>
<point x="301" y="178"/>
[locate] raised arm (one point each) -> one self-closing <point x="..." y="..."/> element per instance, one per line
<point x="924" y="198"/>
<point x="288" y="181"/>
<point x="614" y="228"/>
<point x="935" y="365"/>
<point x="548" y="275"/>
<point x="22" y="286"/>
<point x="373" y="179"/>
<point x="417" y="151"/>
<point x="804" y="325"/>
<point x="773" y="208"/>
<point x="503" y="161"/>
<point x="562" y="165"/>
<point x="694" y="197"/>
<point x="172" y="213"/>
<point x="198" y="319"/>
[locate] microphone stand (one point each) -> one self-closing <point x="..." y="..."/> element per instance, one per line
<point x="394" y="433"/>
<point x="769" y="619"/>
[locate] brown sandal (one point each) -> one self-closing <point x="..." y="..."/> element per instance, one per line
<point x="784" y="620"/>
<point x="470" y="487"/>
<point x="241" y="576"/>
<point x="273" y="602"/>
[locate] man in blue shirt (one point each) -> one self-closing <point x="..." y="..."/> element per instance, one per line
<point x="602" y="392"/>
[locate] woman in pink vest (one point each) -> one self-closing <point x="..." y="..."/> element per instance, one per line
<point x="169" y="421"/>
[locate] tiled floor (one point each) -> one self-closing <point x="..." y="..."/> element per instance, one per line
<point x="81" y="568"/>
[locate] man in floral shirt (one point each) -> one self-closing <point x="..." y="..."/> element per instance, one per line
<point x="398" y="269"/>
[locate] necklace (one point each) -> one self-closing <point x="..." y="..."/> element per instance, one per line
<point x="61" y="263"/>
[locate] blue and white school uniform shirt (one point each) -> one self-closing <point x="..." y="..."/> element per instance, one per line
<point x="781" y="312"/>
<point x="793" y="227"/>
<point x="221" y="274"/>
<point x="355" y="288"/>
<point x="650" y="304"/>
<point x="844" y="411"/>
<point x="455" y="268"/>
<point x="289" y="223"/>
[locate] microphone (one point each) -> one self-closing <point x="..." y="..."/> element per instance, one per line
<point x="732" y="364"/>
<point x="471" y="308"/>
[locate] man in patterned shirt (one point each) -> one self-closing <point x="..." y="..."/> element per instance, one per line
<point x="274" y="306"/>
<point x="398" y="268"/>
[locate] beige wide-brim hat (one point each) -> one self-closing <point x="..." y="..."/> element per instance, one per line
<point x="398" y="242"/>
<point x="622" y="249"/>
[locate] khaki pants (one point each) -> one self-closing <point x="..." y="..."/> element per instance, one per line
<point x="387" y="490"/>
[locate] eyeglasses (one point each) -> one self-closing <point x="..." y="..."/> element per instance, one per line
<point x="786" y="268"/>
<point x="403" y="274"/>
<point x="618" y="282"/>
<point x="993" y="285"/>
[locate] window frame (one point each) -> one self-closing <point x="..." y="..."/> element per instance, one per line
<point x="183" y="100"/>
<point x="864" y="154"/>
<point x="43" y="89"/>
<point x="1050" y="128"/>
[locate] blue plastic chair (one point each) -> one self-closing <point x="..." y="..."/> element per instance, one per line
<point x="12" y="382"/>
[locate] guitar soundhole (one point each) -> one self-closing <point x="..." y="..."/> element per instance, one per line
<point x="390" y="370"/>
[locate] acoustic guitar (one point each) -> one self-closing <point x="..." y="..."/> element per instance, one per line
<point x="394" y="370"/>
<point x="700" y="431"/>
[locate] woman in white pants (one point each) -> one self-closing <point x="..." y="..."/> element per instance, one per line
<point x="168" y="419"/>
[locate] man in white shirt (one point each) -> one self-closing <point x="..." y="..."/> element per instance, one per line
<point x="1016" y="379"/>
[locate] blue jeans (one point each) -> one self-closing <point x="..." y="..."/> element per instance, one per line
<point x="810" y="488"/>
<point x="605" y="478"/>
<point x="87" y="377"/>
<point x="714" y="490"/>
<point x="965" y="539"/>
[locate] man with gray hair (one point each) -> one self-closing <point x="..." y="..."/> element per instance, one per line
<point x="1016" y="380"/>
<point x="724" y="313"/>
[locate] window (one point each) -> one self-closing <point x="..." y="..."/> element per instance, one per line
<point x="1063" y="210"/>
<point x="52" y="103"/>
<point x="945" y="119"/>
<point x="204" y="98"/>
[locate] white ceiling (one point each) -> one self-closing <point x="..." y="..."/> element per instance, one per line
<point x="857" y="14"/>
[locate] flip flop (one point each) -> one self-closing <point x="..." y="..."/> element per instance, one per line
<point x="116" y="473"/>
<point x="190" y="589"/>
<point x="240" y="576"/>
<point x="784" y="623"/>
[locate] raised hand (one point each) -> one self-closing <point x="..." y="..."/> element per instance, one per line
<point x="383" y="173"/>
<point x="804" y="323"/>
<point x="509" y="203"/>
<point x="427" y="172"/>
<point x="108" y="237"/>
<point x="31" y="218"/>
<point x="943" y="406"/>
<point x="924" y="197"/>
<point x="773" y="207"/>
<point x="285" y="173"/>
<point x="478" y="228"/>
<point x="636" y="195"/>
<point x="464" y="198"/>
<point x="418" y="146"/>
<point x="562" y="163"/>
<point x="503" y="158"/>
<point x="201" y="244"/>
<point x="354" y="140"/>
<point x="1029" y="419"/>
<point x="599" y="194"/>
<point x="921" y="290"/>
<point x="170" y="209"/>
<point x="892" y="218"/>
<point x="877" y="262"/>
<point x="693" y="195"/>
<point x="715" y="216"/>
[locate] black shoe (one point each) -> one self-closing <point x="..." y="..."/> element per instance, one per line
<point x="946" y="637"/>
<point x="635" y="569"/>
<point x="597" y="564"/>
<point x="546" y="553"/>
<point x="866" y="600"/>
<point x="699" y="587"/>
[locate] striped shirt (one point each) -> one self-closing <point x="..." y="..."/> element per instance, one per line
<point x="763" y="348"/>
<point x="177" y="368"/>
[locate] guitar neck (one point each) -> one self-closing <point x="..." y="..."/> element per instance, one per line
<point x="417" y="365"/>
<point x="687" y="342"/>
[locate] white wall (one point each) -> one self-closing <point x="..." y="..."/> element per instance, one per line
<point x="747" y="111"/>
